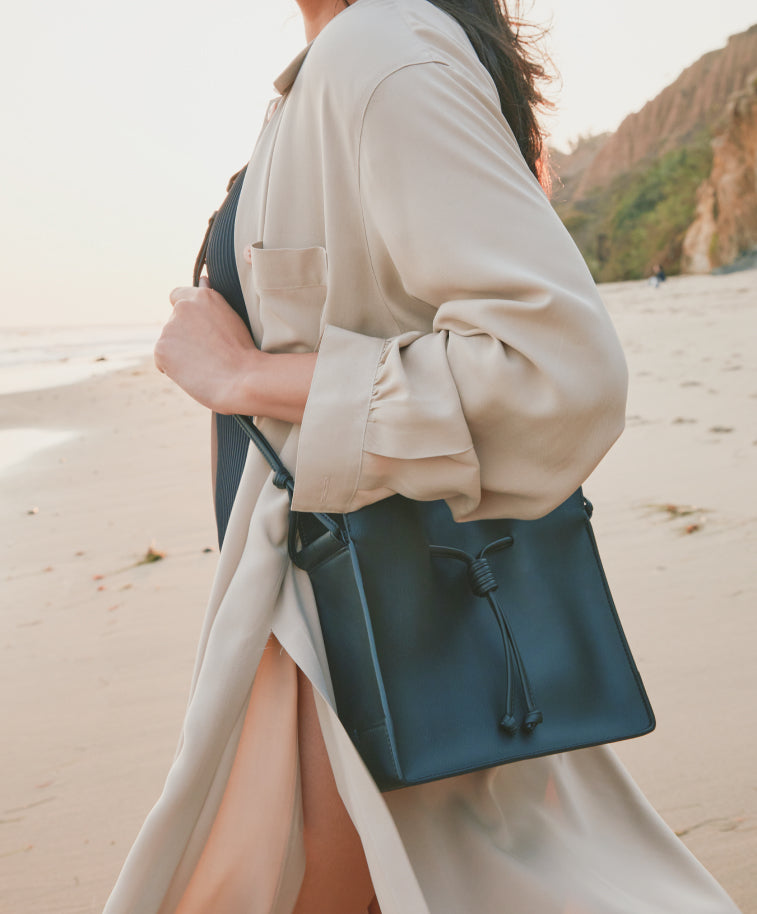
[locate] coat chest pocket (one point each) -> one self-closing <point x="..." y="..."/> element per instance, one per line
<point x="290" y="285"/>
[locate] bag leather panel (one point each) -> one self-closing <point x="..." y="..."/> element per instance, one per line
<point x="445" y="640"/>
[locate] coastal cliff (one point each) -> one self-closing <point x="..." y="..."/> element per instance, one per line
<point x="676" y="184"/>
<point x="725" y="225"/>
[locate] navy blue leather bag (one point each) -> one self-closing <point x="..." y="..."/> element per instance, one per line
<point x="459" y="646"/>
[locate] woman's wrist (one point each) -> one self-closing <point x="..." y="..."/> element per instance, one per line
<point x="274" y="385"/>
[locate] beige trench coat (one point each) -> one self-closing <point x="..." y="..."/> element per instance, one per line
<point x="388" y="220"/>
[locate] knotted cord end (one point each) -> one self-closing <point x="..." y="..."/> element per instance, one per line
<point x="532" y="720"/>
<point x="509" y="724"/>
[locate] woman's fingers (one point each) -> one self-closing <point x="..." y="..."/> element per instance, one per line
<point x="181" y="292"/>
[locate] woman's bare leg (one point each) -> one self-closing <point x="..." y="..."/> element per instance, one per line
<point x="240" y="866"/>
<point x="337" y="880"/>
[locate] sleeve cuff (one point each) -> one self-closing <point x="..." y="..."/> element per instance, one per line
<point x="330" y="449"/>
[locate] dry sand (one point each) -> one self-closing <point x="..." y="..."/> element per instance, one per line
<point x="97" y="650"/>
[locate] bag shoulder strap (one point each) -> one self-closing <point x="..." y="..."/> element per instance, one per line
<point x="282" y="478"/>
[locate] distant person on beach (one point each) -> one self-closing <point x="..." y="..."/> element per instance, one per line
<point x="658" y="276"/>
<point x="392" y="296"/>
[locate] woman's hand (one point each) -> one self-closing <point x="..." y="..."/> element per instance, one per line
<point x="207" y="350"/>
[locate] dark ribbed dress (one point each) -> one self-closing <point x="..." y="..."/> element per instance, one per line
<point x="224" y="278"/>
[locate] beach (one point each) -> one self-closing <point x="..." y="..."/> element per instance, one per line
<point x="109" y="550"/>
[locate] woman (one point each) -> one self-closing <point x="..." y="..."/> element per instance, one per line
<point x="422" y="324"/>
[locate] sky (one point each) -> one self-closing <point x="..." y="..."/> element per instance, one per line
<point x="122" y="122"/>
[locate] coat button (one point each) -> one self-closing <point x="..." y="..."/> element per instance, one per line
<point x="248" y="253"/>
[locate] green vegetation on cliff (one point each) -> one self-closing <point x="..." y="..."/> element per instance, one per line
<point x="641" y="217"/>
<point x="629" y="198"/>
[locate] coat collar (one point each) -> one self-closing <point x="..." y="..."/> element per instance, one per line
<point x="283" y="82"/>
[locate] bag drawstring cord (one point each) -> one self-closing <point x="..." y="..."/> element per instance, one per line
<point x="483" y="583"/>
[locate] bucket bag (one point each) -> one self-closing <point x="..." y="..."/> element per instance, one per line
<point x="459" y="646"/>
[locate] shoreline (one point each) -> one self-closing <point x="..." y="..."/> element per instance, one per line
<point x="37" y="358"/>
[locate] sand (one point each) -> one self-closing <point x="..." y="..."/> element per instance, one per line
<point x="97" y="649"/>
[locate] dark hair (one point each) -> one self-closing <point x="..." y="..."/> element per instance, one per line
<point x="515" y="68"/>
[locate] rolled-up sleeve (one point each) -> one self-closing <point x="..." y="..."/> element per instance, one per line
<point x="519" y="389"/>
